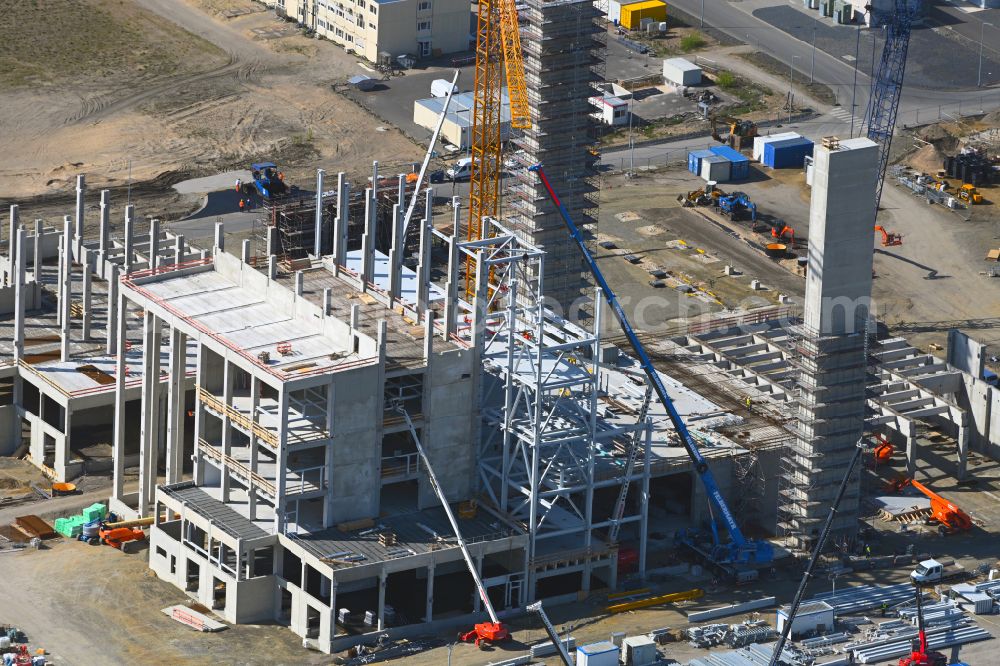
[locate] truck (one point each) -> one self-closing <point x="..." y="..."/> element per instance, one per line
<point x="932" y="571"/>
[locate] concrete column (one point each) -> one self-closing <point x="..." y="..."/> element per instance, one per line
<point x="102" y="247"/>
<point x="281" y="482"/>
<point x="119" y="333"/>
<point x="18" y="257"/>
<point x="12" y="238"/>
<point x="340" y="224"/>
<point x="395" y="255"/>
<point x="112" y="319"/>
<point x="401" y="194"/>
<point x="129" y="237"/>
<point x="36" y="264"/>
<point x="333" y="609"/>
<point x="963" y="450"/>
<point x="81" y="189"/>
<point x="220" y="236"/>
<point x="63" y="447"/>
<point x="178" y="250"/>
<point x="424" y="256"/>
<point x="382" y="579"/>
<point x="374" y="178"/>
<point x="199" y="419"/>
<point x="86" y="297"/>
<point x="150" y="435"/>
<point x="424" y="265"/>
<point x="175" y="409"/>
<point x="254" y="444"/>
<point x="368" y="239"/>
<point x="299" y="283"/>
<point x="908" y="430"/>
<point x="245" y="251"/>
<point x="66" y="294"/>
<point x="456" y="214"/>
<point x="429" y="599"/>
<point x="451" y="287"/>
<point x="327" y="301"/>
<point x="272" y="240"/>
<point x="227" y="424"/>
<point x="355" y="316"/>
<point x="272" y="267"/>
<point x="154" y="243"/>
<point x="428" y="335"/>
<point x="318" y="224"/>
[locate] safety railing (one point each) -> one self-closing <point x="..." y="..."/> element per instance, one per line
<point x="238" y="418"/>
<point x="240" y="469"/>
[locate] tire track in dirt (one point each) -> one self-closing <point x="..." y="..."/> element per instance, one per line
<point x="97" y="108"/>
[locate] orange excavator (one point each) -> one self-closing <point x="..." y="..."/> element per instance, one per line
<point x="780" y="230"/>
<point x="889" y="238"/>
<point x="949" y="517"/>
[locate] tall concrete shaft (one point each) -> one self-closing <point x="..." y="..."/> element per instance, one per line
<point x="831" y="351"/>
<point x="564" y="45"/>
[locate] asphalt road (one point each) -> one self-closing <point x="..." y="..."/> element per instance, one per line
<point x="737" y="20"/>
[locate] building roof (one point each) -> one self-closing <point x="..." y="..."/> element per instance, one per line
<point x="222" y="516"/>
<point x="460" y="109"/>
<point x="682" y="64"/>
<point x="640" y="6"/>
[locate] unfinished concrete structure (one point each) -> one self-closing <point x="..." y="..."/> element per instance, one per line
<point x="832" y="346"/>
<point x="563" y="43"/>
<point x="270" y="413"/>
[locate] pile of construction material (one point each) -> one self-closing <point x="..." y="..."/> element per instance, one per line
<point x="925" y="186"/>
<point x="972" y="166"/>
<point x="946" y="625"/>
<point x="982" y="598"/>
<point x="73" y="526"/>
<point x="733" y="635"/>
<point x="752" y="655"/>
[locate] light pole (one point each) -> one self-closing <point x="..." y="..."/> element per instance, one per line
<point x="982" y="32"/>
<point x="631" y="143"/>
<point x="791" y="78"/>
<point x="702" y="13"/>
<point x="812" y="68"/>
<point x="854" y="87"/>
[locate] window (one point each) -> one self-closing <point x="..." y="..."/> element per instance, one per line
<point x="340" y="33"/>
<point x="372" y="26"/>
<point x="350" y="38"/>
<point x="361" y="21"/>
<point x="361" y="3"/>
<point x="372" y="9"/>
<point x="425" y="49"/>
<point x="424" y="6"/>
<point x="322" y="24"/>
<point x="423" y="25"/>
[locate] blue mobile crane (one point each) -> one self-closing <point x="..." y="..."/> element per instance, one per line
<point x="737" y="556"/>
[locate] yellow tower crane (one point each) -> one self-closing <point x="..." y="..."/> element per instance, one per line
<point x="498" y="51"/>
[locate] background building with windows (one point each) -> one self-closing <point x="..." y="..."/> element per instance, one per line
<point x="423" y="28"/>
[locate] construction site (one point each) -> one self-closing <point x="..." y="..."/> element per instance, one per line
<point x="738" y="408"/>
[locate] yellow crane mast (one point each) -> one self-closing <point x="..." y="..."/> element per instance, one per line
<point x="498" y="53"/>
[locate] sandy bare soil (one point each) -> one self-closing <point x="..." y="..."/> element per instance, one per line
<point x="168" y="88"/>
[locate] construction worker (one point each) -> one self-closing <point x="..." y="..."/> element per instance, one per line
<point x="749" y="404"/>
<point x="885" y="608"/>
<point x="868" y="552"/>
<point x="281" y="176"/>
<point x="239" y="184"/>
<point x="242" y="205"/>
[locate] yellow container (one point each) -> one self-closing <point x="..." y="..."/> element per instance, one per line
<point x="632" y="15"/>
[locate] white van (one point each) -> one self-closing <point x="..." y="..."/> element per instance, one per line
<point x="460" y="170"/>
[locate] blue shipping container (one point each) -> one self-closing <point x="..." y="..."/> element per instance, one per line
<point x="787" y="154"/>
<point x="694" y="160"/>
<point x="740" y="169"/>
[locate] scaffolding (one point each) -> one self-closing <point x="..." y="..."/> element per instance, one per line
<point x="564" y="45"/>
<point x="833" y="372"/>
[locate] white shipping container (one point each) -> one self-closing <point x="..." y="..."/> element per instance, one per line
<point x="760" y="141"/>
<point x="597" y="654"/>
<point x="681" y="72"/>
<point x="639" y="651"/>
<point x="716" y="169"/>
<point x="812" y="618"/>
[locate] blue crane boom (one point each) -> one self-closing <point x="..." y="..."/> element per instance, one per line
<point x="740" y="550"/>
<point x="887" y="86"/>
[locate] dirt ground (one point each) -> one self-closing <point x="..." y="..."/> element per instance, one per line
<point x="96" y="605"/>
<point x="172" y="92"/>
<point x="922" y="288"/>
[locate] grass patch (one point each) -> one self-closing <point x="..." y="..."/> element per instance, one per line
<point x="726" y="80"/>
<point x="818" y="91"/>
<point x="45" y="42"/>
<point x="692" y="42"/>
<point x="752" y="96"/>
